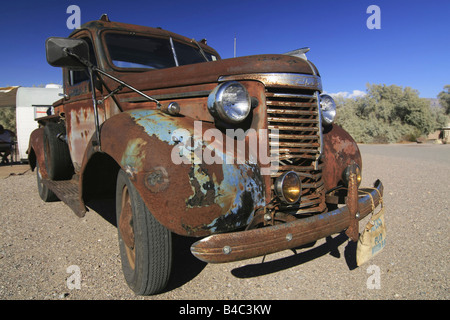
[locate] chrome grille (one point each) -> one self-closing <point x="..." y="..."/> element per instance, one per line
<point x="295" y="114"/>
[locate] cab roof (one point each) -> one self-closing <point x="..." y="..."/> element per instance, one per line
<point x="97" y="26"/>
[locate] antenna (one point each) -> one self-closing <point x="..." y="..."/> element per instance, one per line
<point x="235" y="45"/>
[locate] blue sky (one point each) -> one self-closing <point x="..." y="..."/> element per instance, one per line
<point x="412" y="48"/>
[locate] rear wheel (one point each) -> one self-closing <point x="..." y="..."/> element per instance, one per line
<point x="57" y="155"/>
<point x="45" y="193"/>
<point x="145" y="245"/>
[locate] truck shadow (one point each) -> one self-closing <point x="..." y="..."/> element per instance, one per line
<point x="185" y="266"/>
<point x="106" y="208"/>
<point x="329" y="247"/>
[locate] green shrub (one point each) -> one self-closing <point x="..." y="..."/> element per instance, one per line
<point x="387" y="114"/>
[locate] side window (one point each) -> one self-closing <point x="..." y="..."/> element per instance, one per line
<point x="77" y="76"/>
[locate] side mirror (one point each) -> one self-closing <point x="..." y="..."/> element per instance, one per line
<point x="58" y="57"/>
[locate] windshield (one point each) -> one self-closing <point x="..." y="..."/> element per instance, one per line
<point x="136" y="51"/>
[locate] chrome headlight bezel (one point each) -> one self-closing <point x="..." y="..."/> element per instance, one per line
<point x="223" y="106"/>
<point x="282" y="185"/>
<point x="328" y="109"/>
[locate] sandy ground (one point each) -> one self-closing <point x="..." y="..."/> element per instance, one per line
<point x="41" y="244"/>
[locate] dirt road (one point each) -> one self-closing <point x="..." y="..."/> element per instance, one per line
<point x="43" y="245"/>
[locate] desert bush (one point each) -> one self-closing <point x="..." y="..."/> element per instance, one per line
<point x="387" y="114"/>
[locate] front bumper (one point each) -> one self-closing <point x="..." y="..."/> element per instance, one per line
<point x="236" y="246"/>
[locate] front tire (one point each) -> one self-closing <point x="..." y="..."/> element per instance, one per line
<point x="145" y="245"/>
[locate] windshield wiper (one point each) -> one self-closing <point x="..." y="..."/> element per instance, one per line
<point x="174" y="52"/>
<point x="201" y="49"/>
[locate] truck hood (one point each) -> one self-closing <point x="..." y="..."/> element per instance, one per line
<point x="209" y="72"/>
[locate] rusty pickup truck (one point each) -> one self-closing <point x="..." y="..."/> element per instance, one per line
<point x="241" y="153"/>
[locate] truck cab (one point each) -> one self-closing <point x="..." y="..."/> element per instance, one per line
<point x="241" y="153"/>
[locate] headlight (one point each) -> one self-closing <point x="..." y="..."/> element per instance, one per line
<point x="328" y="107"/>
<point x="229" y="102"/>
<point x="288" y="187"/>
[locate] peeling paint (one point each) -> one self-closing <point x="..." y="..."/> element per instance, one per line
<point x="157" y="124"/>
<point x="204" y="187"/>
<point x="134" y="156"/>
<point x="242" y="192"/>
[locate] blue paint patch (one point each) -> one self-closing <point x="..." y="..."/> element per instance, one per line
<point x="246" y="200"/>
<point x="156" y="123"/>
<point x="134" y="155"/>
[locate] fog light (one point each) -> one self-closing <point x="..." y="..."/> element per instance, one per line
<point x="288" y="187"/>
<point x="353" y="168"/>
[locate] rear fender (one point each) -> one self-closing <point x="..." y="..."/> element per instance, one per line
<point x="193" y="199"/>
<point x="36" y="151"/>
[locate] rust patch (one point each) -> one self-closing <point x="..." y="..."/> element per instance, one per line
<point x="37" y="143"/>
<point x="157" y="180"/>
<point x="203" y="186"/>
<point x="352" y="204"/>
<point x="339" y="151"/>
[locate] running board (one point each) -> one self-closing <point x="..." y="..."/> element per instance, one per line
<point x="67" y="191"/>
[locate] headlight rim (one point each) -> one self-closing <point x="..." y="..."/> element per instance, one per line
<point x="215" y="103"/>
<point x="333" y="111"/>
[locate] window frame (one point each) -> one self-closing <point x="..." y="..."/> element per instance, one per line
<point x="167" y="37"/>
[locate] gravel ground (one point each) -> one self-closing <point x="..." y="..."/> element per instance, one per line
<point x="39" y="242"/>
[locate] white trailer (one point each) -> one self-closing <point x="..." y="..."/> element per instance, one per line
<point x="32" y="103"/>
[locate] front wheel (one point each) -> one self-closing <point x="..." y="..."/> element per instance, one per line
<point x="145" y="245"/>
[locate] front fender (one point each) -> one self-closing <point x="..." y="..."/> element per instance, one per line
<point x="193" y="198"/>
<point x="339" y="151"/>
